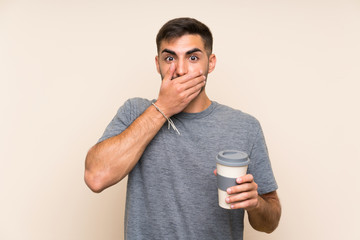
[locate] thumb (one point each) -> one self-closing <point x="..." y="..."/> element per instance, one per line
<point x="169" y="74"/>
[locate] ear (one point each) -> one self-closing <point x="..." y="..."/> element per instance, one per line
<point x="212" y="62"/>
<point x="157" y="64"/>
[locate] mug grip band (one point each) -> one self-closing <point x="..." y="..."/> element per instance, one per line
<point x="225" y="182"/>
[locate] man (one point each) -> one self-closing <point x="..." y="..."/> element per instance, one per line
<point x="172" y="191"/>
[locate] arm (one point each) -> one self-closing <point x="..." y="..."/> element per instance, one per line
<point x="266" y="216"/>
<point x="110" y="161"/>
<point x="264" y="211"/>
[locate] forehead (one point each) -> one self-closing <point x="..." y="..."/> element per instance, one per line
<point x="183" y="43"/>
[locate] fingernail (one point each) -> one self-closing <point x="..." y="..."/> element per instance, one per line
<point x="227" y="200"/>
<point x="232" y="206"/>
<point x="229" y="190"/>
<point x="238" y="180"/>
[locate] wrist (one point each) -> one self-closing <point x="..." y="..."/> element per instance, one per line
<point x="167" y="112"/>
<point x="155" y="114"/>
<point x="257" y="206"/>
<point x="168" y="119"/>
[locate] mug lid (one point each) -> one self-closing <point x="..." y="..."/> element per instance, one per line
<point x="232" y="158"/>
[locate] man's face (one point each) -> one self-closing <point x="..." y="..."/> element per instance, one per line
<point x="188" y="53"/>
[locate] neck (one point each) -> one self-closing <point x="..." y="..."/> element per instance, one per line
<point x="198" y="104"/>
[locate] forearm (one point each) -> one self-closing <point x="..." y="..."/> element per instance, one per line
<point x="110" y="161"/>
<point x="266" y="216"/>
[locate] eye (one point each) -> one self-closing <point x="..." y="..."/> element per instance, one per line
<point x="169" y="59"/>
<point x="193" y="58"/>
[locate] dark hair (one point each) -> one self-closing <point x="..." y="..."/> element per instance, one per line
<point x="179" y="27"/>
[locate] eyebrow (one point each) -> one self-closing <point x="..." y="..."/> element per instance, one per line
<point x="193" y="50"/>
<point x="187" y="53"/>
<point x="168" y="51"/>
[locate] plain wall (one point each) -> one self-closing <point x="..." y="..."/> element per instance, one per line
<point x="67" y="66"/>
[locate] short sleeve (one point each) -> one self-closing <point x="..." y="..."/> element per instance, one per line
<point x="260" y="166"/>
<point x="126" y="114"/>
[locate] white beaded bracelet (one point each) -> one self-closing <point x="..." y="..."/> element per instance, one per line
<point x="170" y="122"/>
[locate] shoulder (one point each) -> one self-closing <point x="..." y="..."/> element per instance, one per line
<point x="236" y="115"/>
<point x="137" y="102"/>
<point x="131" y="109"/>
<point x="135" y="105"/>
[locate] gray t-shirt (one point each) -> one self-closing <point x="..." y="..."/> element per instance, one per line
<point x="172" y="190"/>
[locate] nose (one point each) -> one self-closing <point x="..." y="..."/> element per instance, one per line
<point x="181" y="68"/>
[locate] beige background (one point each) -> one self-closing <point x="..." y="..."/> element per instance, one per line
<point x="66" y="66"/>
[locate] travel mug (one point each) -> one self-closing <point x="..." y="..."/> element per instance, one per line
<point x="230" y="165"/>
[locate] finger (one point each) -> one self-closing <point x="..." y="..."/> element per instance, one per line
<point x="194" y="91"/>
<point x="189" y="76"/>
<point x="244" y="196"/>
<point x="244" y="187"/>
<point x="193" y="82"/>
<point x="250" y="204"/>
<point x="194" y="85"/>
<point x="246" y="178"/>
<point x="169" y="74"/>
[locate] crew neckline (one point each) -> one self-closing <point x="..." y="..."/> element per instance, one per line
<point x="197" y="115"/>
